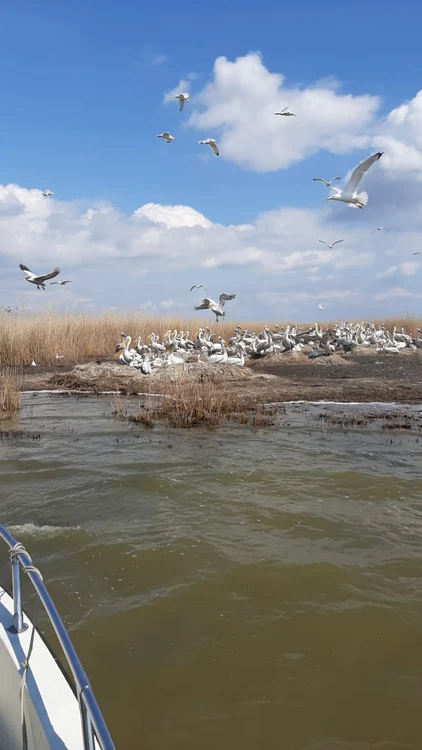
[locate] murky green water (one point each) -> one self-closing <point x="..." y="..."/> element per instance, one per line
<point x="232" y="589"/>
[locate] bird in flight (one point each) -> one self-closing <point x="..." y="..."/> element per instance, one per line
<point x="327" y="184"/>
<point x="62" y="283"/>
<point x="197" y="286"/>
<point x="46" y="193"/>
<point x="38" y="280"/>
<point x="166" y="137"/>
<point x="286" y="112"/>
<point x="379" y="229"/>
<point x="182" y="99"/>
<point x="418" y="253"/>
<point x="320" y="307"/>
<point x="332" y="244"/>
<point x="212" y="144"/>
<point x="350" y="195"/>
<point x="217" y="307"/>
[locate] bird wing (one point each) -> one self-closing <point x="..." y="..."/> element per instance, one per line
<point x="47" y="276"/>
<point x="215" y="149"/>
<point x="336" y="242"/>
<point x="206" y="303"/>
<point x="24" y="268"/>
<point x="319" y="179"/>
<point x="54" y="282"/>
<point x="335" y="178"/>
<point x="224" y="297"/>
<point x="197" y="286"/>
<point x="359" y="171"/>
<point x="324" y="242"/>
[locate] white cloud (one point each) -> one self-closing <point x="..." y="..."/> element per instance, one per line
<point x="400" y="136"/>
<point x="240" y="103"/>
<point x="170" y="304"/>
<point x="172" y="216"/>
<point x="397" y="291"/>
<point x="159" y="59"/>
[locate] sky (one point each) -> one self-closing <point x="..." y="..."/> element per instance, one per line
<point x="134" y="222"/>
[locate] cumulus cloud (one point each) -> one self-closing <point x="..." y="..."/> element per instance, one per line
<point x="240" y="102"/>
<point x="397" y="291"/>
<point x="400" y="136"/>
<point x="170" y="304"/>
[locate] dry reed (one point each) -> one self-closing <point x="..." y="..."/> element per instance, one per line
<point x="10" y="396"/>
<point x="83" y="338"/>
<point x="192" y="402"/>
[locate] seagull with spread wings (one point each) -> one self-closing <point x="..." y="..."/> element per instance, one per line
<point x="38" y="280"/>
<point x="217" y="307"/>
<point x="379" y="229"/>
<point x="197" y="286"/>
<point x="326" y="183"/>
<point x="182" y="99"/>
<point x="332" y="244"/>
<point x="61" y="283"/>
<point x="212" y="144"/>
<point x="350" y="195"/>
<point x="166" y="136"/>
<point x="286" y="112"/>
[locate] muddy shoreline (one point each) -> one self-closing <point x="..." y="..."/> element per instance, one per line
<point x="356" y="377"/>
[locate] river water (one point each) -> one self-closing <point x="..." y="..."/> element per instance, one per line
<point x="236" y="588"/>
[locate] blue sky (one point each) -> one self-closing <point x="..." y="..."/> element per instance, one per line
<point x="82" y="100"/>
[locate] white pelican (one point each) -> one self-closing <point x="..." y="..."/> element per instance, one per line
<point x="59" y="356"/>
<point x="197" y="286"/>
<point x="166" y="137"/>
<point x="37" y="280"/>
<point x="216" y="307"/>
<point x="62" y="283"/>
<point x="182" y="99"/>
<point x="46" y="193"/>
<point x="332" y="244"/>
<point x="286" y="112"/>
<point x="379" y="229"/>
<point x="350" y="195"/>
<point x="327" y="184"/>
<point x="33" y="363"/>
<point x="212" y="144"/>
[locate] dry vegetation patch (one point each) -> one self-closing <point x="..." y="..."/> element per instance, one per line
<point x="10" y="392"/>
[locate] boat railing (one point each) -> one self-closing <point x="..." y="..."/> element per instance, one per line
<point x="93" y="724"/>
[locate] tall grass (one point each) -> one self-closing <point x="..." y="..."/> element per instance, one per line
<point x="10" y="396"/>
<point x="81" y="338"/>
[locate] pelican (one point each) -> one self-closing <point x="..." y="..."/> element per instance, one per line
<point x="46" y="193"/>
<point x="197" y="286"/>
<point x="350" y="195"/>
<point x="166" y="137"/>
<point x="59" y="356"/>
<point x="37" y="280"/>
<point x="212" y="144"/>
<point x="332" y="244"/>
<point x="33" y="363"/>
<point x="61" y="283"/>
<point x="182" y="99"/>
<point x="286" y="112"/>
<point x="216" y="307"/>
<point x="327" y="184"/>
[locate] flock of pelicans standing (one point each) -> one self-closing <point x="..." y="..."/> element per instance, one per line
<point x="176" y="347"/>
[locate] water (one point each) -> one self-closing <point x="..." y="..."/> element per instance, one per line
<point x="232" y="589"/>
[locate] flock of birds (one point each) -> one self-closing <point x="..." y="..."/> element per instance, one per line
<point x="177" y="348"/>
<point x="349" y="195"/>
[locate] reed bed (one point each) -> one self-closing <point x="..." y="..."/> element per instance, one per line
<point x="191" y="401"/>
<point x="83" y="338"/>
<point x="10" y="393"/>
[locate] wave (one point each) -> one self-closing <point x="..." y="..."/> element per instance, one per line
<point x="33" y="529"/>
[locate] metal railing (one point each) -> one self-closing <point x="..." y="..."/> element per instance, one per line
<point x="93" y="724"/>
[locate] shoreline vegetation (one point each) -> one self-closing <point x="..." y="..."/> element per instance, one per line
<point x="83" y="338"/>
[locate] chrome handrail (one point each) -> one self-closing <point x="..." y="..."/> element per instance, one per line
<point x="91" y="718"/>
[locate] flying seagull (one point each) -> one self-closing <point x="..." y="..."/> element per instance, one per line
<point x="320" y="307"/>
<point x="332" y="244"/>
<point x="182" y="99"/>
<point x="379" y="229"/>
<point x="166" y="136"/>
<point x="350" y="195"/>
<point x="286" y="112"/>
<point x="212" y="144"/>
<point x="197" y="286"/>
<point x="62" y="283"/>
<point x="37" y="280"/>
<point x="46" y="193"/>
<point x="216" y="307"/>
<point x="327" y="184"/>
